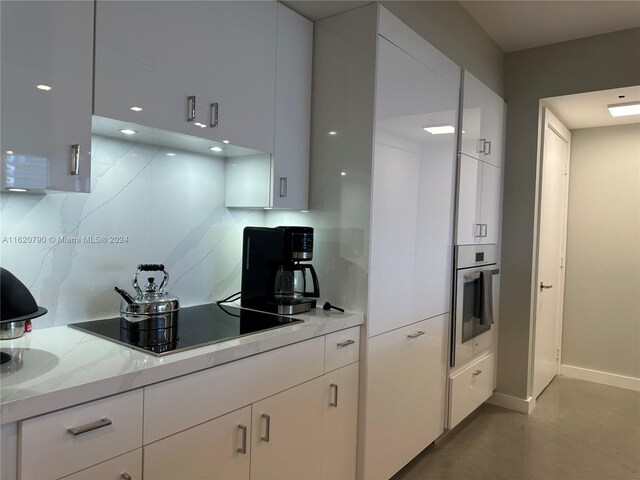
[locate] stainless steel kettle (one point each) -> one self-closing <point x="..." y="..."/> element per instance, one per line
<point x="153" y="301"/>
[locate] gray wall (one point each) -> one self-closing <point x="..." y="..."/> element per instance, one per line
<point x="453" y="31"/>
<point x="589" y="64"/>
<point x="601" y="329"/>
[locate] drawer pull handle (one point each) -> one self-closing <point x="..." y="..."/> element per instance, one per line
<point x="75" y="159"/>
<point x="75" y="431"/>
<point x="334" y="403"/>
<point x="243" y="448"/>
<point x="125" y="476"/>
<point x="346" y="343"/>
<point x="267" y="432"/>
<point x="476" y="373"/>
<point x="416" y="335"/>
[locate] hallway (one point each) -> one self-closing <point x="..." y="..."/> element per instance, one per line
<point x="578" y="430"/>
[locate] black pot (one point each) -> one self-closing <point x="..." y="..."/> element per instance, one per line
<point x="16" y="305"/>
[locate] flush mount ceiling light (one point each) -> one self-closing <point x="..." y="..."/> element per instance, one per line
<point x="128" y="131"/>
<point x="439" y="130"/>
<point x="46" y="88"/>
<point x="226" y="142"/>
<point x="136" y="109"/>
<point x="624" y="109"/>
<point x="215" y="149"/>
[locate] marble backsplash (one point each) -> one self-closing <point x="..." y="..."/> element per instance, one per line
<point x="151" y="208"/>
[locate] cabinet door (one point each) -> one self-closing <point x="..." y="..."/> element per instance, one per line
<point x="149" y="55"/>
<point x="473" y="99"/>
<point x="293" y="110"/>
<point x="340" y="423"/>
<point x="469" y="200"/>
<point x="115" y="469"/>
<point x="286" y="437"/>
<point x="412" y="197"/>
<point x="490" y="203"/>
<point x="493" y="128"/>
<point x="405" y="395"/>
<point x="217" y="449"/>
<point x="240" y="71"/>
<point x="46" y="44"/>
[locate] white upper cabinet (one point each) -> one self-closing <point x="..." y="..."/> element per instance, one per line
<point x="482" y="121"/>
<point x="281" y="181"/>
<point x="412" y="200"/>
<point x="47" y="51"/>
<point x="183" y="62"/>
<point x="479" y="202"/>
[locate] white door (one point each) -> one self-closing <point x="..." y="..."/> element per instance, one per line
<point x="286" y="434"/>
<point x="217" y="449"/>
<point x="549" y="286"/>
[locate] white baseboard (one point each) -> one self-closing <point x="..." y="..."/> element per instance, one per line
<point x="513" y="403"/>
<point x="605" y="378"/>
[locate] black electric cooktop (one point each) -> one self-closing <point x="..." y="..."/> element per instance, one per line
<point x="195" y="327"/>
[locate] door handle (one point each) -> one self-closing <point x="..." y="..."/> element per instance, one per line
<point x="482" y="144"/>
<point x="334" y="402"/>
<point x="545" y="287"/>
<point x="191" y="108"/>
<point x="483" y="229"/>
<point x="75" y="159"/>
<point x="243" y="448"/>
<point x="213" y="115"/>
<point x="488" y="151"/>
<point x="267" y="432"/>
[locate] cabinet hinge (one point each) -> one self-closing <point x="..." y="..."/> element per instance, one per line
<point x="558" y="354"/>
<point x="561" y="261"/>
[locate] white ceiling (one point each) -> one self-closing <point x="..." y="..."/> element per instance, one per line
<point x="516" y="25"/>
<point x="519" y="24"/>
<point x="587" y="110"/>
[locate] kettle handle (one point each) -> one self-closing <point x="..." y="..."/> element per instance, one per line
<point x="151" y="267"/>
<point x="316" y="285"/>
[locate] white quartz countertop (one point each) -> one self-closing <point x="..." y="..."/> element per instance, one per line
<point x="61" y="366"/>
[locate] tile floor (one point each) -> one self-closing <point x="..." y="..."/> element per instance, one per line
<point x="578" y="430"/>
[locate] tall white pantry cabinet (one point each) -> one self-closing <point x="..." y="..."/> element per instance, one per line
<point x="387" y="86"/>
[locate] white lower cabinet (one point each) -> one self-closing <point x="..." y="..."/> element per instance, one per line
<point x="470" y="388"/>
<point x="286" y="442"/>
<point x="405" y="395"/>
<point x="66" y="441"/>
<point x="218" y="448"/>
<point x="340" y="423"/>
<point x="127" y="466"/>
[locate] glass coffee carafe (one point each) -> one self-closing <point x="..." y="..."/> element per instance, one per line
<point x="290" y="283"/>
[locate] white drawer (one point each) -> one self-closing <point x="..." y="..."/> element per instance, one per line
<point x="48" y="450"/>
<point x="470" y="388"/>
<point x="181" y="403"/>
<point x="114" y="469"/>
<point x="341" y="348"/>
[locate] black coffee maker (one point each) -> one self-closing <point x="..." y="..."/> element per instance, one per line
<point x="273" y="277"/>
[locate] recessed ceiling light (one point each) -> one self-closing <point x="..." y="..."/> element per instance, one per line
<point x="17" y="189"/>
<point x="46" y="88"/>
<point x="440" y="129"/>
<point x="215" y="149"/>
<point x="304" y="211"/>
<point x="343" y="173"/>
<point x="197" y="124"/>
<point x="333" y="133"/>
<point x="624" y="109"/>
<point x="136" y="109"/>
<point x="171" y="154"/>
<point x="9" y="152"/>
<point x="226" y="142"/>
<point x="128" y="131"/>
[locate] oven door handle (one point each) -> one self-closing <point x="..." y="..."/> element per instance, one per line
<point x="476" y="275"/>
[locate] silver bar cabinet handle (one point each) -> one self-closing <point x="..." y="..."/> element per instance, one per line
<point x="243" y="448"/>
<point x="476" y="373"/>
<point x="283" y="186"/>
<point x="416" y="335"/>
<point x="213" y="115"/>
<point x="125" y="476"/>
<point x="545" y="287"/>
<point x="265" y="437"/>
<point x="346" y="343"/>
<point x="191" y="108"/>
<point x="75" y="431"/>
<point x="75" y="159"/>
<point x="483" y="229"/>
<point x="477" y="230"/>
<point x="482" y="145"/>
<point x="334" y="403"/>
<point x="488" y="152"/>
